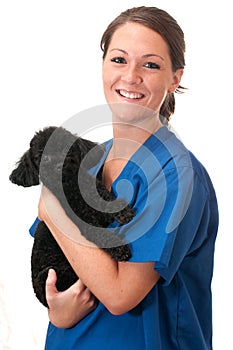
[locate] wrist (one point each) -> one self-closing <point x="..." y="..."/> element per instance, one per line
<point x="62" y="321"/>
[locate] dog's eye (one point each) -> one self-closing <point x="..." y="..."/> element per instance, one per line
<point x="46" y="158"/>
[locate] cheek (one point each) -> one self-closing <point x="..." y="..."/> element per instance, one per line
<point x="107" y="78"/>
<point x="109" y="74"/>
<point x="157" y="95"/>
<point x="106" y="87"/>
<point x="108" y="84"/>
<point x="158" y="91"/>
<point x="105" y="72"/>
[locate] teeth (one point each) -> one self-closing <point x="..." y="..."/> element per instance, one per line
<point x="133" y="95"/>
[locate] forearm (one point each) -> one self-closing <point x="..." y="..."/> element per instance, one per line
<point x="93" y="266"/>
<point x="118" y="285"/>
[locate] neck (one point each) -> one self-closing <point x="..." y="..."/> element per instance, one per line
<point x="128" y="137"/>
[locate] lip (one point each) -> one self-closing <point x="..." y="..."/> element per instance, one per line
<point x="130" y="95"/>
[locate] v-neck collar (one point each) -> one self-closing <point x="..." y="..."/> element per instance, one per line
<point x="150" y="143"/>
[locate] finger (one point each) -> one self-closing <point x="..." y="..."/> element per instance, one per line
<point x="78" y="286"/>
<point x="81" y="284"/>
<point x="50" y="285"/>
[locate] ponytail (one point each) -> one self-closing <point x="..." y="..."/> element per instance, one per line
<point x="168" y="106"/>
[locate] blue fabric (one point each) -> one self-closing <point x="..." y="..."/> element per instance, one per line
<point x="33" y="227"/>
<point x="175" y="227"/>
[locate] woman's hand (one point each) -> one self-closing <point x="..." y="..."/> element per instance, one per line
<point x="67" y="308"/>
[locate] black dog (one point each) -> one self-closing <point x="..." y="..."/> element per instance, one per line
<point x="61" y="160"/>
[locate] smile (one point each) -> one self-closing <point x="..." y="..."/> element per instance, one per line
<point x="130" y="95"/>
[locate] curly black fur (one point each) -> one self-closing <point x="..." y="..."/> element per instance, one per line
<point x="61" y="160"/>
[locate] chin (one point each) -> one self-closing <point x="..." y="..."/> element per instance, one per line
<point x="132" y="113"/>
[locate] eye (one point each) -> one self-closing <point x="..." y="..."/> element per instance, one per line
<point x="119" y="60"/>
<point x="46" y="158"/>
<point x="152" y="65"/>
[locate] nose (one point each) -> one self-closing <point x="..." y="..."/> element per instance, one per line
<point x="132" y="74"/>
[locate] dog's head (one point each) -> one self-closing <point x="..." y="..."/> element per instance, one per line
<point x="52" y="149"/>
<point x="63" y="156"/>
<point x="26" y="172"/>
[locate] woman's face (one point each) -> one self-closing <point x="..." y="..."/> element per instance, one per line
<point x="137" y="68"/>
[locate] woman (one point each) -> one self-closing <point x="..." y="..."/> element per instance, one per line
<point x="161" y="298"/>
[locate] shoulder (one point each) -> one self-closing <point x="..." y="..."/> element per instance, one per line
<point x="178" y="159"/>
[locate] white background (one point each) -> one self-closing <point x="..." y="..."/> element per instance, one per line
<point x="51" y="70"/>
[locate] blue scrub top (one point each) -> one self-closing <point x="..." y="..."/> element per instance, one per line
<point x="175" y="226"/>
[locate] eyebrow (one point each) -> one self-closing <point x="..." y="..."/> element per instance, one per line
<point x="144" y="56"/>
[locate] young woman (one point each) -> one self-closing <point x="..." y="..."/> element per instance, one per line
<point x="161" y="298"/>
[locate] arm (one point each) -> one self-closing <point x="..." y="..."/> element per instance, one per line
<point x="120" y="286"/>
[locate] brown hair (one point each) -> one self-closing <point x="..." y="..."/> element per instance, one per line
<point x="165" y="25"/>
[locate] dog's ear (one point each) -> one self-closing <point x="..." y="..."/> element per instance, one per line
<point x="26" y="173"/>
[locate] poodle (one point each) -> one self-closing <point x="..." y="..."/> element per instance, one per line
<point x="61" y="161"/>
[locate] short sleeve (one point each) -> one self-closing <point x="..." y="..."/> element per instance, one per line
<point x="188" y="236"/>
<point x="169" y="212"/>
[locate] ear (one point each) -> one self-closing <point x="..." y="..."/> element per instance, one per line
<point x="26" y="173"/>
<point x="177" y="75"/>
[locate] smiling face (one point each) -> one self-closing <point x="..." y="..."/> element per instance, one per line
<point x="137" y="68"/>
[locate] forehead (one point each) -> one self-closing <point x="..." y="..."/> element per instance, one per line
<point x="137" y="38"/>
